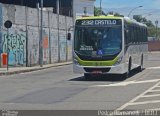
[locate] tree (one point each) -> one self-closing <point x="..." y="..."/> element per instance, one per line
<point x="111" y="13"/>
<point x="141" y="19"/>
<point x="151" y="26"/>
<point x="115" y="13"/>
<point x="97" y="11"/>
<point x="118" y="14"/>
<point x="138" y="18"/>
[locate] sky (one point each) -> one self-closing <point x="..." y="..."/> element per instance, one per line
<point x="150" y="9"/>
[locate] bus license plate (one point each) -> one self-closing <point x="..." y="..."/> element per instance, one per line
<point x="97" y="72"/>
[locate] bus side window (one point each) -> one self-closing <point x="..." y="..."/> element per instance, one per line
<point x="139" y="35"/>
<point x="135" y="30"/>
<point x="134" y="34"/>
<point x="130" y="34"/>
<point x="126" y="35"/>
<point x="146" y="35"/>
<point x="132" y="37"/>
<point x="143" y="35"/>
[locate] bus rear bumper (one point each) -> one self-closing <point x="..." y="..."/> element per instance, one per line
<point x="118" y="69"/>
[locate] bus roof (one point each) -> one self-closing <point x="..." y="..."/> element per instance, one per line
<point x="101" y="17"/>
<point x="132" y="21"/>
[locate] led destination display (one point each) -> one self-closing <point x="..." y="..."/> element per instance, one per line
<point x="99" y="22"/>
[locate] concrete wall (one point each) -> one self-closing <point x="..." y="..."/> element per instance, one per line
<point x="154" y="46"/>
<point x="24" y="36"/>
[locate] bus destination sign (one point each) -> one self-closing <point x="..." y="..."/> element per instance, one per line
<point x="98" y="22"/>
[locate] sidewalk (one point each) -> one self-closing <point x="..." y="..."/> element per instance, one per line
<point x="17" y="70"/>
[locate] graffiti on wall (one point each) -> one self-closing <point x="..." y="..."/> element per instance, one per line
<point x="16" y="48"/>
<point x="33" y="46"/>
<point x="45" y="45"/>
<point x="45" y="42"/>
<point x="54" y="46"/>
<point x="62" y="46"/>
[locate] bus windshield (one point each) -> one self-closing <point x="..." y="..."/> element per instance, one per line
<point x="98" y="41"/>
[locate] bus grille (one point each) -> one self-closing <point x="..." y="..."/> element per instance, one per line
<point x="97" y="69"/>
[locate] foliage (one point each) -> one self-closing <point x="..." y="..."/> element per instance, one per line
<point x="141" y="19"/>
<point x="97" y="11"/>
<point x="152" y="30"/>
<point x="114" y="13"/>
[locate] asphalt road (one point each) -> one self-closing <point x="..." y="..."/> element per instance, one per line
<point x="59" y="88"/>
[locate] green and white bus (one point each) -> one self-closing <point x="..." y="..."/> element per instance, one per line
<point x="108" y="45"/>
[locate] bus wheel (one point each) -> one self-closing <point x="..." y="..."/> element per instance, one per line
<point x="87" y="76"/>
<point x="140" y="68"/>
<point x="127" y="74"/>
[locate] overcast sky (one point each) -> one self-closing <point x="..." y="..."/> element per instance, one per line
<point x="125" y="6"/>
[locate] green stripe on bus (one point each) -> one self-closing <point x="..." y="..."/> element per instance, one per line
<point x="97" y="63"/>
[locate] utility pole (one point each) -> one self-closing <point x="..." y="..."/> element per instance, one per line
<point x="58" y="9"/>
<point x="133" y="10"/>
<point x="7" y="24"/>
<point x="100" y="7"/>
<point x="156" y="22"/>
<point x="41" y="36"/>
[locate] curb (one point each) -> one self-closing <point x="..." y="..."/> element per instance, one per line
<point x="34" y="69"/>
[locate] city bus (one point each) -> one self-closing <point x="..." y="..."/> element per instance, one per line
<point x="108" y="45"/>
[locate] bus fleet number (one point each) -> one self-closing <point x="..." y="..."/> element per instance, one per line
<point x="89" y="22"/>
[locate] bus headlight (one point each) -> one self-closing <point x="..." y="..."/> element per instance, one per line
<point x="119" y="60"/>
<point x="75" y="61"/>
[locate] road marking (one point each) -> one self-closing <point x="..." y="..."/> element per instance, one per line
<point x="145" y="102"/>
<point x="153" y="68"/>
<point x="115" y="84"/>
<point x="155" y="95"/>
<point x="154" y="90"/>
<point x="155" y="109"/>
<point x="127" y="83"/>
<point x="147" y="81"/>
<point x="136" y="98"/>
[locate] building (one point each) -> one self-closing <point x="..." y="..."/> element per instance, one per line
<point x="83" y="7"/>
<point x="66" y="7"/>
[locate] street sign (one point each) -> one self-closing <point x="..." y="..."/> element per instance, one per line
<point x="8" y="24"/>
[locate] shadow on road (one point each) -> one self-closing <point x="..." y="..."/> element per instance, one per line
<point x="106" y="77"/>
<point x="135" y="71"/>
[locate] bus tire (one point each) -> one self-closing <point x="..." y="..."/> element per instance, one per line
<point x="140" y="68"/>
<point x="87" y="76"/>
<point x="127" y="74"/>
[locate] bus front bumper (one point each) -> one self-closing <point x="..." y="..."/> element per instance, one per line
<point x="118" y="69"/>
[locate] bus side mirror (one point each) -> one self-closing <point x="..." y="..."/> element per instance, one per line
<point x="126" y="30"/>
<point x="69" y="36"/>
